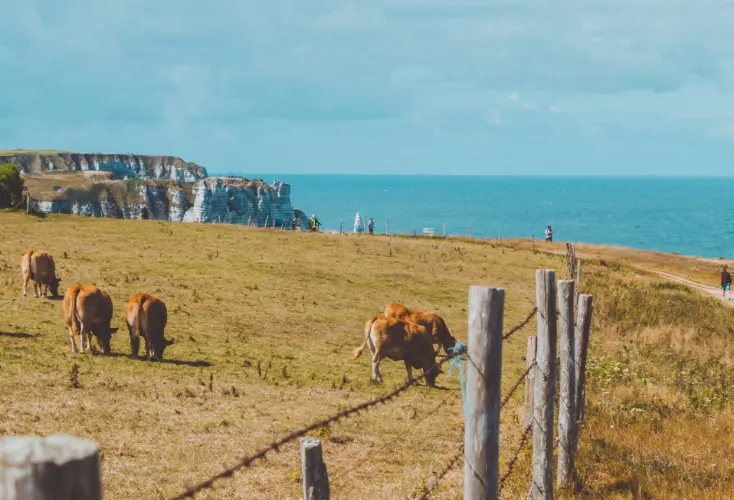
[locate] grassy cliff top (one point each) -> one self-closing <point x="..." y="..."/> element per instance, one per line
<point x="40" y="161"/>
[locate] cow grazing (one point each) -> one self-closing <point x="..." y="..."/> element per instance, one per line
<point x="87" y="310"/>
<point x="40" y="267"/>
<point x="431" y="321"/>
<point x="399" y="340"/>
<point x="146" y="318"/>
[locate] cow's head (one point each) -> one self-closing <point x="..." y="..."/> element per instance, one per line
<point x="447" y="340"/>
<point x="159" y="347"/>
<point x="54" y="286"/>
<point x="104" y="336"/>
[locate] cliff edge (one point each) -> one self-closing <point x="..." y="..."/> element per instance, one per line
<point x="149" y="187"/>
<point x="119" y="165"/>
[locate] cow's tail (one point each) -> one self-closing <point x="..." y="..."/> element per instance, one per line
<point x="75" y="322"/>
<point x="31" y="265"/>
<point x="367" y="328"/>
<point x="139" y="318"/>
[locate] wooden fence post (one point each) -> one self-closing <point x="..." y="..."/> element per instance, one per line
<point x="533" y="242"/>
<point x="581" y="347"/>
<point x="267" y="218"/>
<point x="387" y="227"/>
<point x="61" y="467"/>
<point x="313" y="470"/>
<point x="578" y="271"/>
<point x="545" y="385"/>
<point x="566" y="414"/>
<point x="484" y="371"/>
<point x="530" y="380"/>
<point x="341" y="223"/>
<point x="444" y="229"/>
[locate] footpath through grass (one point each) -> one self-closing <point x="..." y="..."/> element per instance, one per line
<point x="265" y="323"/>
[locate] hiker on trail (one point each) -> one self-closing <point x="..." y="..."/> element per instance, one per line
<point x="371" y="226"/>
<point x="549" y="234"/>
<point x="314" y="223"/>
<point x="725" y="281"/>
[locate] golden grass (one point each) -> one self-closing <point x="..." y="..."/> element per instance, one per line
<point x="296" y="304"/>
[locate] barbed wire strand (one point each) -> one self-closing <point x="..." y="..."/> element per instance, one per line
<point x="246" y="462"/>
<point x="517" y="385"/>
<point x="513" y="460"/>
<point x="275" y="445"/>
<point x="452" y="463"/>
<point x="521" y="325"/>
<point x="336" y="479"/>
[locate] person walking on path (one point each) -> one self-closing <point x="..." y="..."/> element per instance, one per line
<point x="549" y="234"/>
<point x="725" y="281"/>
<point x="371" y="226"/>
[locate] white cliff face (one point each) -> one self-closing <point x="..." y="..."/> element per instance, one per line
<point x="215" y="200"/>
<point x="119" y="165"/>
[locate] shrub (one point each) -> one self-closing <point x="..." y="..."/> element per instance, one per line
<point x="11" y="186"/>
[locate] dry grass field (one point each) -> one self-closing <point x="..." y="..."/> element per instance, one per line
<point x="265" y="323"/>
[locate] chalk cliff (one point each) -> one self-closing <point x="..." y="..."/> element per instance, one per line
<point x="161" y="188"/>
<point x="120" y="165"/>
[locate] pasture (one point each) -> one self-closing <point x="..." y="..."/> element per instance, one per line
<point x="265" y="323"/>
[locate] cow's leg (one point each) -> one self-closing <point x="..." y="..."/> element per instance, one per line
<point x="36" y="288"/>
<point x="409" y="369"/>
<point x="82" y="334"/>
<point x="134" y="342"/>
<point x="148" y="349"/>
<point x="72" y="339"/>
<point x="25" y="285"/>
<point x="376" y="368"/>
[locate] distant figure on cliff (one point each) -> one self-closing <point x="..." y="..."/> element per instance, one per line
<point x="315" y="224"/>
<point x="725" y="281"/>
<point x="549" y="234"/>
<point x="371" y="226"/>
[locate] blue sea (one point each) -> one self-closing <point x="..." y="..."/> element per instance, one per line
<point x="693" y="216"/>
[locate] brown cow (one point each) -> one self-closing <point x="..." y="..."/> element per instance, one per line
<point x="399" y="340"/>
<point x="87" y="310"/>
<point x="431" y="321"/>
<point x="40" y="267"/>
<point x="146" y="318"/>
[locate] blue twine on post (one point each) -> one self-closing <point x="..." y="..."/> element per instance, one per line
<point x="456" y="360"/>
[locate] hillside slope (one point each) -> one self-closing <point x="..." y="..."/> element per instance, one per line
<point x="265" y="323"/>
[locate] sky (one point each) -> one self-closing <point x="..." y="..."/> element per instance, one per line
<point x="560" y="87"/>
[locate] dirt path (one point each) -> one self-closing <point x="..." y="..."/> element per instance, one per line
<point x="713" y="291"/>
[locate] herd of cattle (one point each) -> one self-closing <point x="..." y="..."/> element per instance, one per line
<point x="399" y="334"/>
<point x="88" y="310"/>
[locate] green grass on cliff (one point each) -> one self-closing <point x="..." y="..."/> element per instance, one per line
<point x="265" y="323"/>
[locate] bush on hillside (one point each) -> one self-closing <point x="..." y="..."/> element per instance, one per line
<point x="11" y="186"/>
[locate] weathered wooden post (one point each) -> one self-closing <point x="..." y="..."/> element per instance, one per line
<point x="267" y="218"/>
<point x="249" y="220"/>
<point x="533" y="242"/>
<point x="567" y="396"/>
<point x="387" y="227"/>
<point x="545" y="385"/>
<point x="578" y="271"/>
<point x="341" y="224"/>
<point x="444" y="229"/>
<point x="313" y="470"/>
<point x="529" y="381"/>
<point x="581" y="347"/>
<point x="58" y="467"/>
<point x="484" y="371"/>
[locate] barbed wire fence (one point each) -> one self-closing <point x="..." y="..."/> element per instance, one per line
<point x="482" y="402"/>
